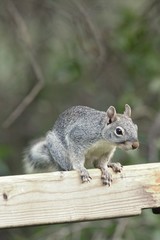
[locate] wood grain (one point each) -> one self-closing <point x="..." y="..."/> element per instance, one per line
<point x="60" y="197"/>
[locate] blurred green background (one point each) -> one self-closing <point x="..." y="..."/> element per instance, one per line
<point x="55" y="54"/>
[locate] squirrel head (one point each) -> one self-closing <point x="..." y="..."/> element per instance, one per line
<point x="120" y="130"/>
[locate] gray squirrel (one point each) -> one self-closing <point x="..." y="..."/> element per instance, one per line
<point x="83" y="136"/>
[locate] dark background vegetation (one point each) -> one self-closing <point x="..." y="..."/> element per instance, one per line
<point x="55" y="54"/>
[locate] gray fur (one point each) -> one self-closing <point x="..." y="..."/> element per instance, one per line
<point x="83" y="135"/>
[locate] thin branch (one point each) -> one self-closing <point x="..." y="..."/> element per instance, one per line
<point x="120" y="229"/>
<point x="26" y="39"/>
<point x="92" y="29"/>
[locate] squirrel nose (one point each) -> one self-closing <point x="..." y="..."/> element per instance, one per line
<point x="135" y="145"/>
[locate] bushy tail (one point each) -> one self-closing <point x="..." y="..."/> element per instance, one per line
<point x="37" y="158"/>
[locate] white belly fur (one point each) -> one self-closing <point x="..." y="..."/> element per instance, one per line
<point x="98" y="150"/>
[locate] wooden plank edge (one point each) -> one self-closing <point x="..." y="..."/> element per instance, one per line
<point x="60" y="197"/>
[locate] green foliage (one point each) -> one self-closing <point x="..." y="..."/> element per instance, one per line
<point x="134" y="39"/>
<point x="6" y="151"/>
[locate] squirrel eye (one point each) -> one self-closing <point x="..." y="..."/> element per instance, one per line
<point x="119" y="131"/>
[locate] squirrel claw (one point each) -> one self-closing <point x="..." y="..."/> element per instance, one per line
<point x="106" y="177"/>
<point x="85" y="177"/>
<point x="107" y="182"/>
<point x="116" y="167"/>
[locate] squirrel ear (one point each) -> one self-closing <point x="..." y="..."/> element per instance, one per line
<point x="127" y="111"/>
<point x="111" y="114"/>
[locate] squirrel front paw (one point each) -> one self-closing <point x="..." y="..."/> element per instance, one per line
<point x="106" y="177"/>
<point x="116" y="167"/>
<point x="85" y="177"/>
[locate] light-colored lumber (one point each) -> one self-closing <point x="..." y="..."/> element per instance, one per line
<point x="60" y="197"/>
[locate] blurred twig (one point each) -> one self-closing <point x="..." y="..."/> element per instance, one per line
<point x="154" y="4"/>
<point x="26" y="40"/>
<point x="95" y="34"/>
<point x="120" y="229"/>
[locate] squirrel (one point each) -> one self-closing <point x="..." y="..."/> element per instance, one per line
<point x="83" y="136"/>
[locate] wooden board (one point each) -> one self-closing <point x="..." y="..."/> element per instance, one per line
<point x="61" y="197"/>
